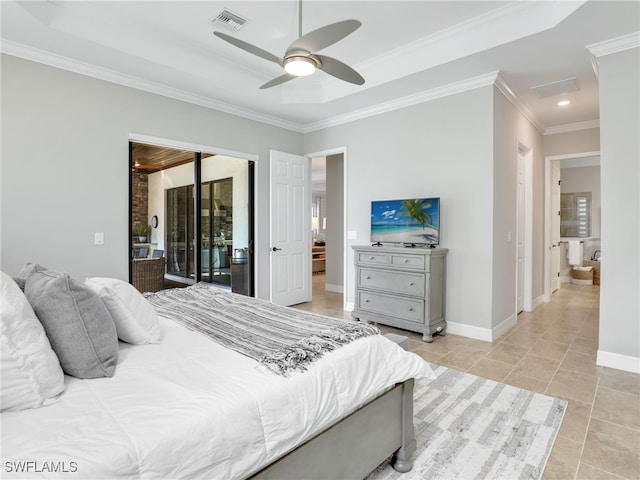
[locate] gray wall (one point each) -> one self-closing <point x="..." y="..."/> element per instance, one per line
<point x="65" y="161"/>
<point x="335" y="223"/>
<point x="511" y="128"/>
<point x="619" y="75"/>
<point x="441" y="148"/>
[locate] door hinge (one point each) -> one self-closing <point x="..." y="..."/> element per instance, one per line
<point x="558" y="274"/>
<point x="559" y="182"/>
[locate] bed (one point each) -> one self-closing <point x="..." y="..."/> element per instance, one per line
<point x="189" y="407"/>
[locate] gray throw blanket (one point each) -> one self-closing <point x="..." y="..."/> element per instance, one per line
<point x="283" y="339"/>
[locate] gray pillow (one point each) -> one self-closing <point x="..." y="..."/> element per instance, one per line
<point x="78" y="325"/>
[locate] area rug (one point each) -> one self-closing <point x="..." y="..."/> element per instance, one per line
<point x="469" y="427"/>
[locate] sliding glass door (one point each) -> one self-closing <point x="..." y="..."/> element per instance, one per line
<point x="180" y="232"/>
<point x="199" y="208"/>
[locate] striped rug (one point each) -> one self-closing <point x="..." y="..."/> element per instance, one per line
<point x="469" y="427"/>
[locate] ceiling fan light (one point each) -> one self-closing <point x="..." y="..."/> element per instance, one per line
<point x="299" y="66"/>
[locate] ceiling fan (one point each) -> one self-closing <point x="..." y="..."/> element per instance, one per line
<point x="301" y="58"/>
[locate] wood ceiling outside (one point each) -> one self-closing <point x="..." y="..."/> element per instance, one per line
<point x="152" y="158"/>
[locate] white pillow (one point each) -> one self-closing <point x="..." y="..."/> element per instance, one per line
<point x="136" y="320"/>
<point x="30" y="370"/>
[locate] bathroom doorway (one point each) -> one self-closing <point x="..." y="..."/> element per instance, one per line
<point x="576" y="216"/>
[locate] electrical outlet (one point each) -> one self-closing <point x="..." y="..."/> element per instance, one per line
<point x="98" y="238"/>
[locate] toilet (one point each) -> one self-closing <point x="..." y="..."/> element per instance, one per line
<point x="579" y="275"/>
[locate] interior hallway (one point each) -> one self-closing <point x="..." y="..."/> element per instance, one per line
<point x="551" y="351"/>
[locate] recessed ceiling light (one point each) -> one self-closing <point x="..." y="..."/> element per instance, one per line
<point x="564" y="103"/>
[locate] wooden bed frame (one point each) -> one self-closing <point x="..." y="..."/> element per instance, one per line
<point x="354" y="446"/>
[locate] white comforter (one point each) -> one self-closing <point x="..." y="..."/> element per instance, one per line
<point x="189" y="408"/>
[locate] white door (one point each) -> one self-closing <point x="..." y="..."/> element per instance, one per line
<point x="520" y="234"/>
<point x="554" y="270"/>
<point x="290" y="229"/>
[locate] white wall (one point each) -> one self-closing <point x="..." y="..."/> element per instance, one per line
<point x="213" y="168"/>
<point x="65" y="165"/>
<point x="619" y="75"/>
<point x="585" y="179"/>
<point x="441" y="148"/>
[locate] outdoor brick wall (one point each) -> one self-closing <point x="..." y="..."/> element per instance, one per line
<point x="140" y="207"/>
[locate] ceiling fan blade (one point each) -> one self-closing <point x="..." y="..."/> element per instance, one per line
<point x="325" y="36"/>
<point x="277" y="81"/>
<point x="339" y="70"/>
<point x="247" y="47"/>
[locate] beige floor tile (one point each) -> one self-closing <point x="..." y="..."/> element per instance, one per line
<point x="527" y="383"/>
<point x="575" y="421"/>
<point x="617" y="407"/>
<point x="573" y="385"/>
<point x="587" y="472"/>
<point x="545" y="348"/>
<point x="563" y="461"/>
<point x="612" y="448"/>
<point x="461" y="359"/>
<point x="521" y="338"/>
<point x="579" y="362"/>
<point x="492" y="369"/>
<point x="619" y="380"/>
<point x="428" y="356"/>
<point x="507" y="353"/>
<point x="540" y="368"/>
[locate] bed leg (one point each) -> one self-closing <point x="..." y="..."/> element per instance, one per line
<point x="402" y="457"/>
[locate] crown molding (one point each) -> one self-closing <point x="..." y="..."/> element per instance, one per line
<point x="572" y="127"/>
<point x="407" y="101"/>
<point x="614" y="45"/>
<point x="65" y="63"/>
<point x="516" y="102"/>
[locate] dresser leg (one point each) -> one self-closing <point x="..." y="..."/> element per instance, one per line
<point x="427" y="337"/>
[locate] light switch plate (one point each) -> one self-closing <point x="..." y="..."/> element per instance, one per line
<point x="98" y="238"/>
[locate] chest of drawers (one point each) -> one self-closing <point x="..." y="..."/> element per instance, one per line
<point x="401" y="287"/>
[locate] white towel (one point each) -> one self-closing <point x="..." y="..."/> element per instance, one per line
<point x="574" y="252"/>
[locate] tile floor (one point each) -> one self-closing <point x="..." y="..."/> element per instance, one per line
<point x="550" y="351"/>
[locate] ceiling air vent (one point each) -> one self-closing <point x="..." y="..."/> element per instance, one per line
<point x="556" y="88"/>
<point x="229" y="19"/>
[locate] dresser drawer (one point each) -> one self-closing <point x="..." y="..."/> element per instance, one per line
<point x="372" y="258"/>
<point x="392" y="281"/>
<point x="419" y="262"/>
<point x="403" y="308"/>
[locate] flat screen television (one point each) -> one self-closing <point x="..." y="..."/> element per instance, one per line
<point x="411" y="222"/>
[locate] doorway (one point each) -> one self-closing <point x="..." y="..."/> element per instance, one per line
<point x="197" y="209"/>
<point x="327" y="227"/>
<point x="559" y="170"/>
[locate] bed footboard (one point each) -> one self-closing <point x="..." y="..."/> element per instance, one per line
<point x="356" y="445"/>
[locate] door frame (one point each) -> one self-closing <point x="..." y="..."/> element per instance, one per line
<point x="196" y="147"/>
<point x="345" y="245"/>
<point x="527" y="156"/>
<point x="547" y="212"/>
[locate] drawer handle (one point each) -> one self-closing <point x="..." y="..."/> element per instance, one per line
<point x="411" y="284"/>
<point x="368" y="277"/>
<point x="372" y="258"/>
<point x="366" y="301"/>
<point x="411" y="309"/>
<point x="406" y="260"/>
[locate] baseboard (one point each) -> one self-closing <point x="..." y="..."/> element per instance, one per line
<point x="537" y="303"/>
<point x="479" y="333"/>
<point x="350" y="306"/>
<point x="565" y="279"/>
<point x="334" y="288"/>
<point x="619" y="362"/>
